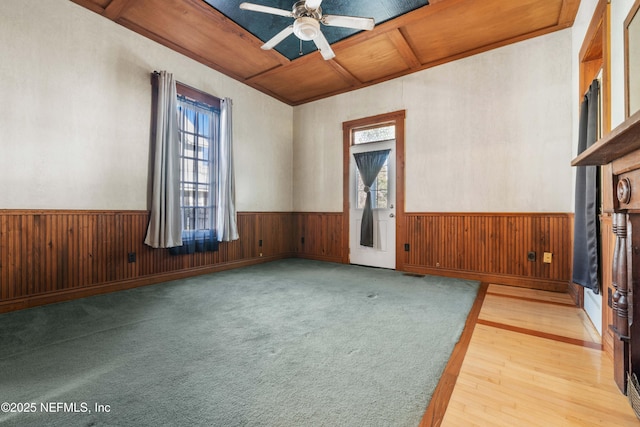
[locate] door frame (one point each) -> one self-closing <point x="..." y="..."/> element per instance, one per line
<point x="594" y="58"/>
<point x="398" y="119"/>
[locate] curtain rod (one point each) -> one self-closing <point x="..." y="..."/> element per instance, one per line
<point x="157" y="73"/>
<point x="212" y="99"/>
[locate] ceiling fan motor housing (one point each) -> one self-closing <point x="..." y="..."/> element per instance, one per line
<point x="300" y="10"/>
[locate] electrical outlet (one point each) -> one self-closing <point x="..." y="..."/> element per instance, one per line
<point x="547" y="257"/>
<point x="531" y="256"/>
<point x="131" y="257"/>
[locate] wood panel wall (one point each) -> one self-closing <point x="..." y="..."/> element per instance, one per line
<point x="48" y="256"/>
<point x="608" y="242"/>
<point x="491" y="247"/>
<point x="318" y="235"/>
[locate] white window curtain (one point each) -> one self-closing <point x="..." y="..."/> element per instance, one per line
<point x="165" y="225"/>
<point x="227" y="228"/>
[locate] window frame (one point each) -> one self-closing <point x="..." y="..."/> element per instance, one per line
<point x="199" y="97"/>
<point x="376" y="192"/>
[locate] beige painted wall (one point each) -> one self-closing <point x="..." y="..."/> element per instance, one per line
<point x="75" y="114"/>
<point x="489" y="133"/>
<point x="486" y="133"/>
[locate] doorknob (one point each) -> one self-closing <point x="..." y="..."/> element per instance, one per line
<point x="391" y="215"/>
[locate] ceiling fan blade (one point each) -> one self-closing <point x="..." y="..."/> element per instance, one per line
<point x="312" y="4"/>
<point x="266" y="9"/>
<point x="324" y="47"/>
<point x="277" y="38"/>
<point x="349" y="22"/>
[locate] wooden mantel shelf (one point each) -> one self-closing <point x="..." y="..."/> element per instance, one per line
<point x="621" y="141"/>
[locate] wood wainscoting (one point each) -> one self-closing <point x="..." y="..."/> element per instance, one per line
<point x="491" y="247"/>
<point x="318" y="235"/>
<point x="53" y="255"/>
<point x="49" y="256"/>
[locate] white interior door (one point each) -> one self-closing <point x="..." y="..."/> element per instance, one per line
<point x="383" y="252"/>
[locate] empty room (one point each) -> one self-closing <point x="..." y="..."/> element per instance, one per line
<point x="322" y="213"/>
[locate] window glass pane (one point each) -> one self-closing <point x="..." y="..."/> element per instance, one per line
<point x="188" y="149"/>
<point x="203" y="171"/>
<point x="362" y="196"/>
<point x="203" y="148"/>
<point x="203" y="195"/>
<point x="188" y="195"/>
<point x="188" y="218"/>
<point x="382" y="186"/>
<point x="187" y="169"/>
<point x="379" y="190"/>
<point x="190" y="117"/>
<point x="202" y="218"/>
<point x="198" y="126"/>
<point x="205" y="126"/>
<point x="383" y="133"/>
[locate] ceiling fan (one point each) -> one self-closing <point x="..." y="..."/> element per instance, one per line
<point x="308" y="16"/>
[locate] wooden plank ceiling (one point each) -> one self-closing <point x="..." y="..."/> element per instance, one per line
<point x="443" y="31"/>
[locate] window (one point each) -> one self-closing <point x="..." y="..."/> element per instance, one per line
<point x="375" y="134"/>
<point x="193" y="200"/>
<point x="199" y="132"/>
<point x="198" y="128"/>
<point x="379" y="189"/>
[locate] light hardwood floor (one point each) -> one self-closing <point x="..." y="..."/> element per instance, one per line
<point x="533" y="359"/>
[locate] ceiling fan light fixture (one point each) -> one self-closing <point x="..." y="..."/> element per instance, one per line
<point x="306" y="28"/>
<point x="307" y="15"/>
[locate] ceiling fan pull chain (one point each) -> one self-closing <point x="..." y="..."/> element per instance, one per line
<point x="300" y="53"/>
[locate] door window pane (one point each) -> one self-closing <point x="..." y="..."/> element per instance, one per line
<point x="379" y="189"/>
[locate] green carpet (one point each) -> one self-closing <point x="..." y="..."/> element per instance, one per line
<point x="287" y="343"/>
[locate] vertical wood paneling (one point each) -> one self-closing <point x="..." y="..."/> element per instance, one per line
<point x="495" y="244"/>
<point x="275" y="231"/>
<point x="322" y="234"/>
<point x="608" y="243"/>
<point x="12" y="255"/>
<point x="44" y="252"/>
